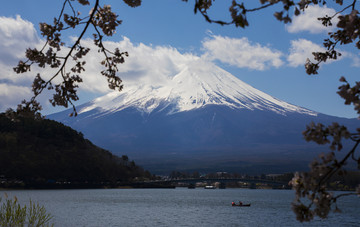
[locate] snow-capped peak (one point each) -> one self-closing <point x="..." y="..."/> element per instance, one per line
<point x="195" y="86"/>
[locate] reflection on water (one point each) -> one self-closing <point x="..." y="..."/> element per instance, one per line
<point x="178" y="207"/>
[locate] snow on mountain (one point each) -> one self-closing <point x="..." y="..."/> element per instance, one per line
<point x="195" y="86"/>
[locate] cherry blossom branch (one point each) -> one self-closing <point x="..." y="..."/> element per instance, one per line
<point x="66" y="91"/>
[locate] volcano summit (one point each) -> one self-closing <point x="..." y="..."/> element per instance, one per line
<point x="194" y="87"/>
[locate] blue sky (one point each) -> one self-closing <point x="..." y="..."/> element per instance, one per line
<point x="268" y="55"/>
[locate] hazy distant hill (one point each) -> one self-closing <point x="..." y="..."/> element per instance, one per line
<point x="203" y="118"/>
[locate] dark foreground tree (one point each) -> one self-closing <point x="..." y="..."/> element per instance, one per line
<point x="310" y="185"/>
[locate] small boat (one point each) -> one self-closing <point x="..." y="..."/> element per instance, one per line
<point x="243" y="205"/>
<point x="240" y="204"/>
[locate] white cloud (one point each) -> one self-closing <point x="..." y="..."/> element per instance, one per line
<point x="16" y="35"/>
<point x="241" y="53"/>
<point x="308" y="21"/>
<point x="146" y="63"/>
<point x="300" y="50"/>
<point x="11" y="95"/>
<point x="355" y="58"/>
<point x="356" y="61"/>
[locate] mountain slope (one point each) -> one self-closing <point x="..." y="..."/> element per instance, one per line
<point x="202" y="118"/>
<point x="40" y="151"/>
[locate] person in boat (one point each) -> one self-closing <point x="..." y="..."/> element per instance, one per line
<point x="233" y="203"/>
<point x="240" y="203"/>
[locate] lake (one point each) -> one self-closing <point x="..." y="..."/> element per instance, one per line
<point x="178" y="207"/>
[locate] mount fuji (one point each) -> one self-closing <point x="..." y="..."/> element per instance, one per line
<point x="202" y="118"/>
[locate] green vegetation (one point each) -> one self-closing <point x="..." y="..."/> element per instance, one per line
<point x="13" y="214"/>
<point x="45" y="153"/>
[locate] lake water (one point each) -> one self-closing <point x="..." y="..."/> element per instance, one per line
<point x="179" y="207"/>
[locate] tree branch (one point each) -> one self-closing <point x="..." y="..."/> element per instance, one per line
<point x="62" y="68"/>
<point x="330" y="173"/>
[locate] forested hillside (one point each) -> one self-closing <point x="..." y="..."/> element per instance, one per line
<point x="44" y="151"/>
